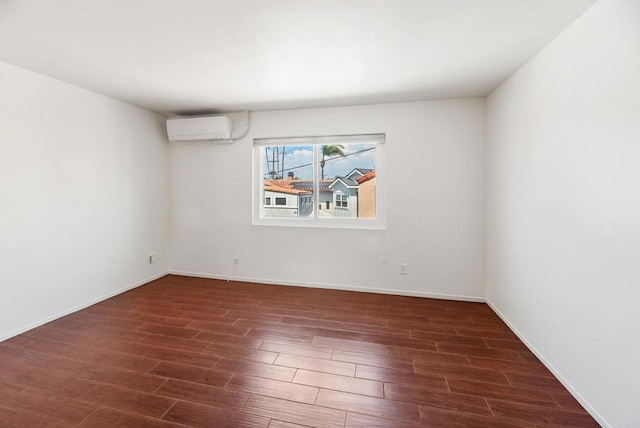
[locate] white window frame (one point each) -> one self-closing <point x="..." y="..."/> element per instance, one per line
<point x="258" y="209"/>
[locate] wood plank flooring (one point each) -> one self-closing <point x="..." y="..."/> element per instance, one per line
<point x="204" y="353"/>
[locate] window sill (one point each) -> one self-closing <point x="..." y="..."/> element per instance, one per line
<point x="372" y="224"/>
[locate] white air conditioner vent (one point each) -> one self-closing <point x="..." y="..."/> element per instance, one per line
<point x="200" y="128"/>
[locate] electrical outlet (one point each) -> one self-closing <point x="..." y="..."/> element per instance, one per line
<point x="404" y="268"/>
<point x="152" y="258"/>
<point x="236" y="260"/>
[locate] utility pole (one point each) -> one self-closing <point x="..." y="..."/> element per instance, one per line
<point x="276" y="163"/>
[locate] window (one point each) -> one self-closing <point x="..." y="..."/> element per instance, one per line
<point x="319" y="181"/>
<point x="341" y="201"/>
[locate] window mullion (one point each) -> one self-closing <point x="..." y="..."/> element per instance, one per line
<point x="316" y="183"/>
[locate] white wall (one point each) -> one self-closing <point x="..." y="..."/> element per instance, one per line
<point x="83" y="198"/>
<point x="435" y="205"/>
<point x="564" y="207"/>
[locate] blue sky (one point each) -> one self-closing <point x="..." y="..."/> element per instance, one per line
<point x="299" y="159"/>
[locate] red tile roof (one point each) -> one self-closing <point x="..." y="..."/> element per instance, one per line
<point x="287" y="186"/>
<point x="283" y="186"/>
<point x="368" y="176"/>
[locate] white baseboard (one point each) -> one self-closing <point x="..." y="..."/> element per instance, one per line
<point x="79" y="307"/>
<point x="332" y="286"/>
<point x="588" y="407"/>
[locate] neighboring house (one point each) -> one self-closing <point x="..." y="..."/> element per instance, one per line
<point x="367" y="195"/>
<point x="325" y="199"/>
<point x="345" y="197"/>
<point x="337" y="197"/>
<point x="282" y="200"/>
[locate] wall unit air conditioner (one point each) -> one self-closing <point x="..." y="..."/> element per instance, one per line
<point x="200" y="128"/>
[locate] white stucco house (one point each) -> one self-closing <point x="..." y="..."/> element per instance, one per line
<point x="281" y="200"/>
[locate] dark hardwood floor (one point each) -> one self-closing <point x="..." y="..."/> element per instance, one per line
<point x="194" y="352"/>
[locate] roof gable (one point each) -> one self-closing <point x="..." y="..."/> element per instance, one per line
<point x="350" y="184"/>
<point x="359" y="172"/>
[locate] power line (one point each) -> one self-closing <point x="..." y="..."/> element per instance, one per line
<point x="326" y="160"/>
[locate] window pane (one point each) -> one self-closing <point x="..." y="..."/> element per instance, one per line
<point x="350" y="173"/>
<point x="287" y="173"/>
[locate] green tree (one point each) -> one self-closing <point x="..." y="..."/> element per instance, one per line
<point x="331" y="150"/>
